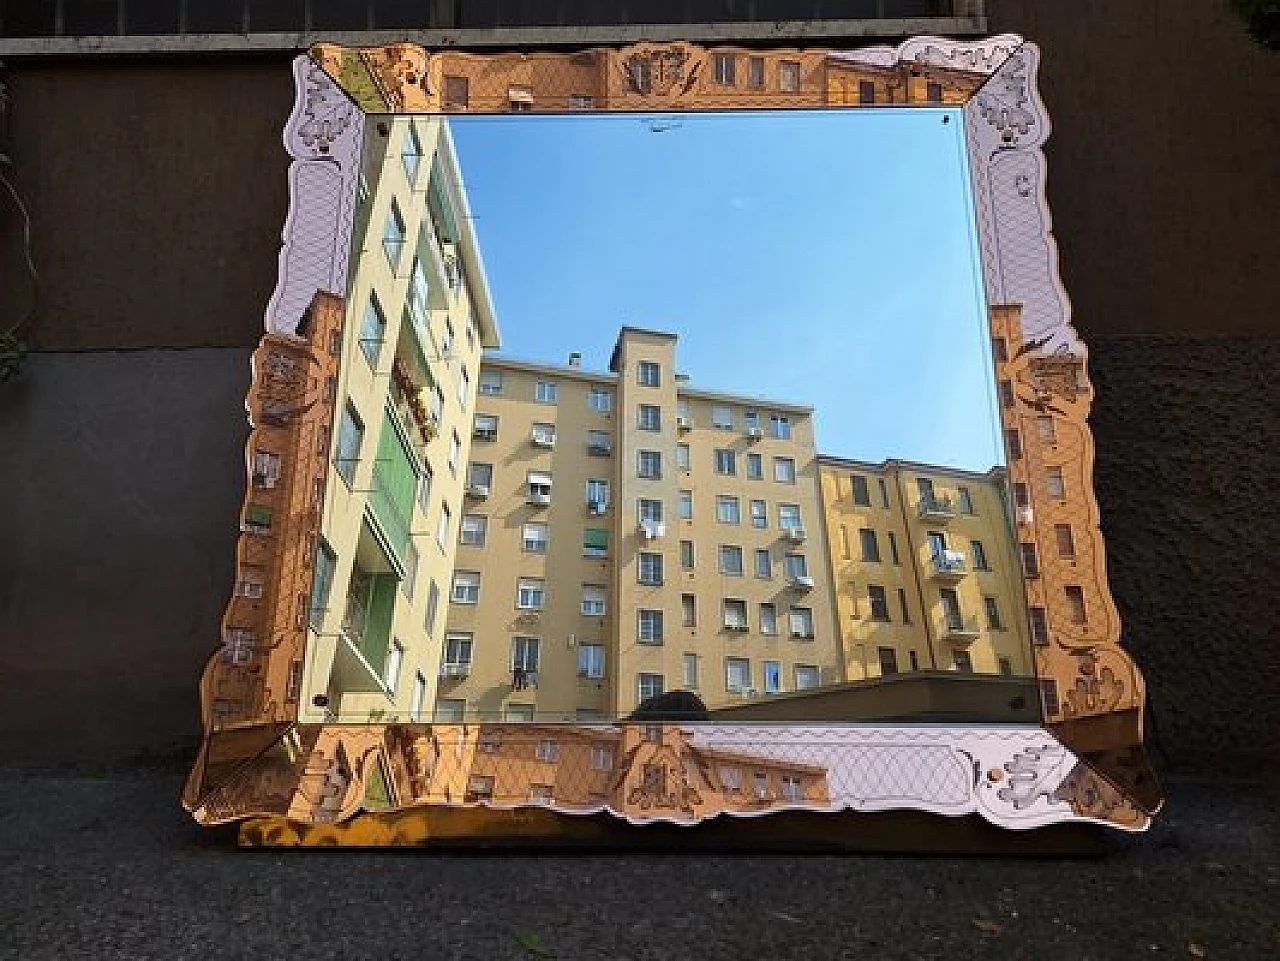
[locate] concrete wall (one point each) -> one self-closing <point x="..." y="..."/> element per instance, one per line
<point x="122" y="471"/>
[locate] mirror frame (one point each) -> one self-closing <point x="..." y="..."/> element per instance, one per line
<point x="298" y="783"/>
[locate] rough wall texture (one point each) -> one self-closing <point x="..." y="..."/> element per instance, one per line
<point x="1189" y="450"/>
<point x="122" y="478"/>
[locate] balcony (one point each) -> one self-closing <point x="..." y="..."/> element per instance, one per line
<point x="802" y="583"/>
<point x="960" y="628"/>
<point x="652" y="530"/>
<point x="937" y="508"/>
<point x="949" y="565"/>
<point x="454" y="672"/>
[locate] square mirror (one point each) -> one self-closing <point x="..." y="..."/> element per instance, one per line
<point x="668" y="432"/>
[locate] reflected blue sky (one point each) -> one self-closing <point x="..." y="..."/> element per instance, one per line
<point x="820" y="257"/>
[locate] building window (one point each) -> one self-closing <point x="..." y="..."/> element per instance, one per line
<point x="1039" y="626"/>
<point x="965" y="499"/>
<point x="979" y="555"/>
<point x="444" y="526"/>
<point x="870" y="547"/>
<point x="457" y="655"/>
<point x="731" y="778"/>
<point x="544" y="435"/>
<point x="524" y="655"/>
<point x="796" y="566"/>
<point x="1006" y="667"/>
<point x="684" y="459"/>
<point x="1006" y="393"/>
<point x="325" y="562"/>
<point x="519" y="99"/>
<point x="685" y="505"/>
<point x="759" y="515"/>
<point x="418" y="697"/>
<point x="433" y="606"/>
<point x="727" y="510"/>
<point x="599" y="443"/>
<point x="1045" y="428"/>
<point x="768" y="619"/>
<point x="640" y="73"/>
<point x="1066" y="542"/>
<point x="772" y="677"/>
<point x="1000" y="349"/>
<point x="1021" y="497"/>
<point x="1054" y="483"/>
<point x="722" y="417"/>
<point x="784" y="470"/>
<point x="1075" y="602"/>
<point x="536" y="534"/>
<point x="780" y="424"/>
<point x="350" y="438"/>
<point x="764" y="565"/>
<point x="789" y="517"/>
<point x="789" y="76"/>
<point x="424" y="489"/>
<point x="649" y="464"/>
<point x="594" y="600"/>
<point x="731" y="560"/>
<point x="649" y="417"/>
<point x="888" y="661"/>
<point x="963" y="662"/>
<point x="724" y="66"/>
<point x="686" y="555"/>
<point x="649" y="685"/>
<point x="737" y="674"/>
<point x="807" y="677"/>
<point x="689" y="610"/>
<point x="581" y="101"/>
<point x="518" y="712"/>
<point x="395" y="661"/>
<point x="902" y="606"/>
<point x="456" y="93"/>
<point x="933" y="92"/>
<point x="1013" y="443"/>
<point x="373" y="331"/>
<point x="893" y="548"/>
<point x="755" y="71"/>
<point x="1030" y="560"/>
<point x="689" y="671"/>
<point x="755" y="466"/>
<point x="735" y="614"/>
<point x="546" y="391"/>
<point x="725" y="462"/>
<point x="861" y="496"/>
<point x="649" y="569"/>
<point x="591" y="661"/>
<point x="879" y="602"/>
<point x="600" y="400"/>
<point x="597" y="496"/>
<point x="649" y="509"/>
<point x="531" y="594"/>
<point x="466" y="587"/>
<point x="480" y="476"/>
<point x="410" y="569"/>
<point x="884" y="493"/>
<point x="490" y="382"/>
<point x="648" y="374"/>
<point x="993" y="614"/>
<point x="595" y="542"/>
<point x="802" y="623"/>
<point x="455" y="452"/>
<point x="866" y="91"/>
<point x="484" y="427"/>
<point x="649" y="626"/>
<point x="393" y="236"/>
<point x="450" y="710"/>
<point x="539" y="484"/>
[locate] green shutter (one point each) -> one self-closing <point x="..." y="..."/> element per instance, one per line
<point x="395" y="467"/>
<point x="596" y="537"/>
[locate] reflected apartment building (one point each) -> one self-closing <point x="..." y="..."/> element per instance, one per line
<point x="926" y="569"/>
<point x="626" y="533"/>
<point x="610" y="79"/>
<point x="418" y="317"/>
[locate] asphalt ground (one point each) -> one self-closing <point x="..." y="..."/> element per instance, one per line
<point x="107" y="865"/>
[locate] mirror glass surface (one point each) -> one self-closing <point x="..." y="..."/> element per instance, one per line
<point x="683" y="412"/>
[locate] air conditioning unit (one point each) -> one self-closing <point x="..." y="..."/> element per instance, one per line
<point x="796" y="534"/>
<point x="755" y="433"/>
<point x="544" y="440"/>
<point x="455" y="670"/>
<point x="735" y="626"/>
<point x="478" y="491"/>
<point x="597" y="508"/>
<point x="1026" y="515"/>
<point x="651" y="530"/>
<point x="542" y="500"/>
<point x="802" y="583"/>
<point x="449" y="251"/>
<point x="749" y="692"/>
<point x="684" y="423"/>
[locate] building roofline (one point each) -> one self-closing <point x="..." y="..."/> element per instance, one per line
<point x="538" y="367"/>
<point x="833" y="460"/>
<point x="478" y="281"/>
<point x="703" y="393"/>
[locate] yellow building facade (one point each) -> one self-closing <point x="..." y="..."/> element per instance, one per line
<point x="627" y="534"/>
<point x="926" y="569"/>
<point x="418" y="317"/>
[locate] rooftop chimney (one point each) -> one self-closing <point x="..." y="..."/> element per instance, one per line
<point x="575" y="359"/>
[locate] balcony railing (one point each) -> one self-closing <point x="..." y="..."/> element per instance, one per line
<point x="937" y="508"/>
<point x="394" y="526"/>
<point x="960" y="627"/>
<point x="949" y="564"/>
